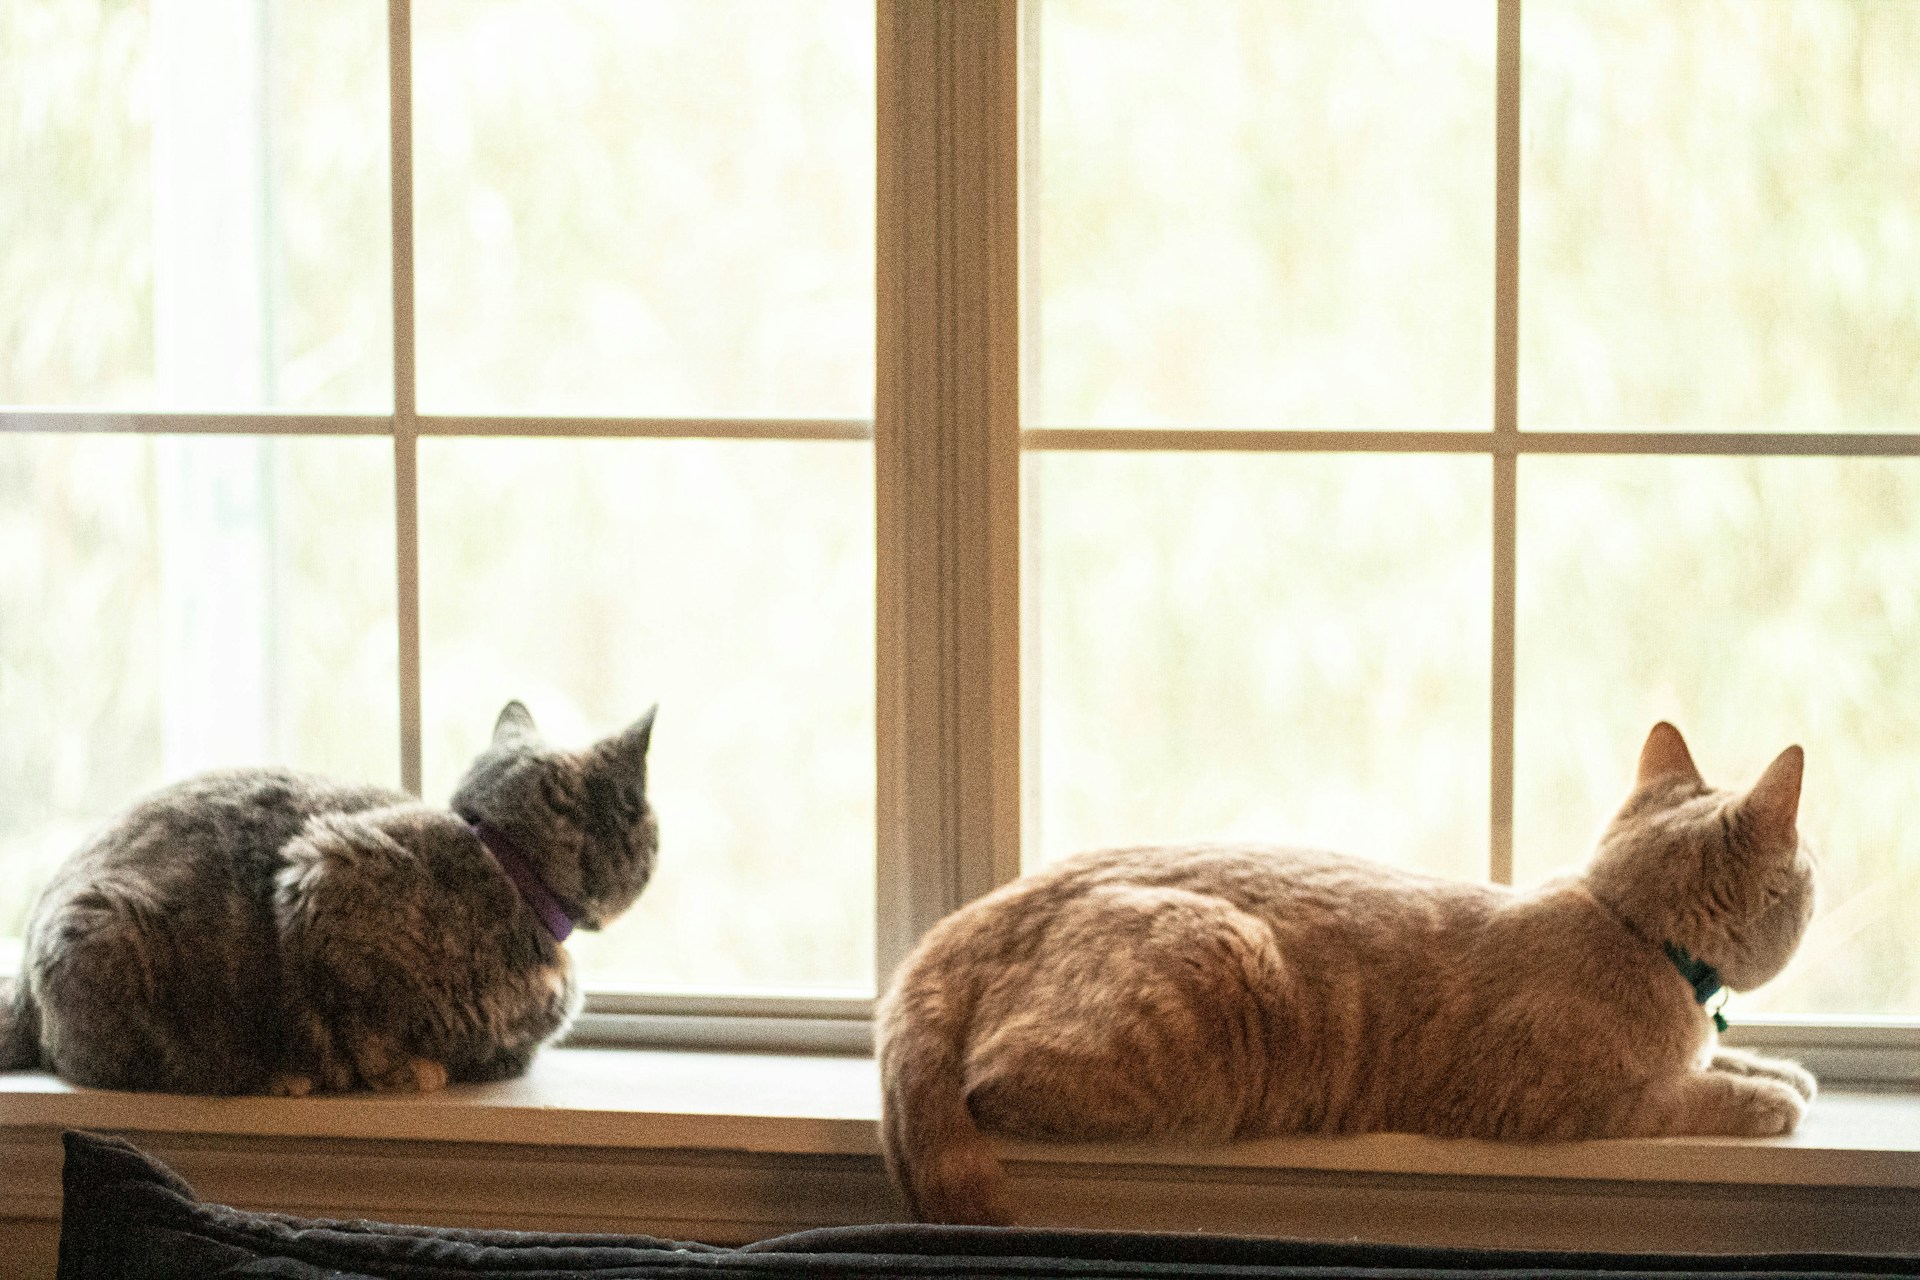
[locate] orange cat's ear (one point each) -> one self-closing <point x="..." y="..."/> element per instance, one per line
<point x="1774" y="802"/>
<point x="1665" y="755"/>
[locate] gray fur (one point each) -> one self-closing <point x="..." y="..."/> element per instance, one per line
<point x="259" y="930"/>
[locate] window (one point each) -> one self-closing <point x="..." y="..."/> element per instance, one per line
<point x="1342" y="423"/>
<point x="1421" y="402"/>
<point x="611" y="447"/>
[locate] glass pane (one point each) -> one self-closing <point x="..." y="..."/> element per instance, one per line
<point x="646" y="207"/>
<point x="169" y="605"/>
<point x="194" y="214"/>
<point x="733" y="583"/>
<point x="1254" y="214"/>
<point x="1721" y="215"/>
<point x="1269" y="647"/>
<point x="1754" y="604"/>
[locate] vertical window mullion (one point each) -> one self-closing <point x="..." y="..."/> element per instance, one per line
<point x="1506" y="427"/>
<point x="946" y="441"/>
<point x="406" y="505"/>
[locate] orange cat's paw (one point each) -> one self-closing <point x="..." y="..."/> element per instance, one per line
<point x="1795" y="1077"/>
<point x="1772" y="1108"/>
<point x="1753" y="1066"/>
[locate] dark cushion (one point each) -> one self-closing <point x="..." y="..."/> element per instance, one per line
<point x="127" y="1217"/>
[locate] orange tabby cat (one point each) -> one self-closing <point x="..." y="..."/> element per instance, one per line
<point x="1222" y="991"/>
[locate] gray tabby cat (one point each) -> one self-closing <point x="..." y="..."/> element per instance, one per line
<point x="264" y="931"/>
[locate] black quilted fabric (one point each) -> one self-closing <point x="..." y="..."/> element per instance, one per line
<point x="127" y="1217"/>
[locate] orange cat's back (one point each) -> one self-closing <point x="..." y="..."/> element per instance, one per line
<point x="1217" y="991"/>
<point x="1146" y="992"/>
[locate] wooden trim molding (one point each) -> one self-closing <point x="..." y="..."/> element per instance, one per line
<point x="731" y="1147"/>
<point x="946" y="455"/>
<point x="731" y="1197"/>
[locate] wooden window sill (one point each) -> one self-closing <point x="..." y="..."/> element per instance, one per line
<point x="737" y="1146"/>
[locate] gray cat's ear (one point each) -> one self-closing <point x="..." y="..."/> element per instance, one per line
<point x="628" y="748"/>
<point x="1773" y="805"/>
<point x="515" y="722"/>
<point x="1664" y="755"/>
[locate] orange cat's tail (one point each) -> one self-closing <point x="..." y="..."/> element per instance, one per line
<point x="942" y="1163"/>
<point x="19" y="1027"/>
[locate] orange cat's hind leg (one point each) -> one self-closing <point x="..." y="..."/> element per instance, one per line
<point x="1167" y="1027"/>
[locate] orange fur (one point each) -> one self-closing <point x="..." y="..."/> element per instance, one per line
<point x="1219" y="991"/>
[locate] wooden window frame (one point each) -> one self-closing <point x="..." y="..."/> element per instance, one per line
<point x="948" y="446"/>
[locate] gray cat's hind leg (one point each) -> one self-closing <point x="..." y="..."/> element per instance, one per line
<point x="19" y="1027"/>
<point x="116" y="1012"/>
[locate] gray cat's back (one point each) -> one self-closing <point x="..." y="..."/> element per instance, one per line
<point x="261" y="930"/>
<point x="168" y="908"/>
<point x="236" y="820"/>
<point x="402" y="907"/>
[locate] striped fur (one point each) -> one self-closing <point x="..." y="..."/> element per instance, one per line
<point x="259" y="930"/>
<point x="1212" y="992"/>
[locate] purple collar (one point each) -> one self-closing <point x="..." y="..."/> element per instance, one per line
<point x="545" y="903"/>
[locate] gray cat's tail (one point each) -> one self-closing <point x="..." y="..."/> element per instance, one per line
<point x="942" y="1163"/>
<point x="19" y="1027"/>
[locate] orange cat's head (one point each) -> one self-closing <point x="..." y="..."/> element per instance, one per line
<point x="1721" y="874"/>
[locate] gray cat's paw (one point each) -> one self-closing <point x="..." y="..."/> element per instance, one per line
<point x="415" y="1075"/>
<point x="428" y="1076"/>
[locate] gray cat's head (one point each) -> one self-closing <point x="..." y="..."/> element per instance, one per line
<point x="1722" y="874"/>
<point x="580" y="817"/>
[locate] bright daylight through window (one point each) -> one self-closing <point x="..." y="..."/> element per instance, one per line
<point x="1282" y="217"/>
<point x="660" y="214"/>
<point x="1418" y="399"/>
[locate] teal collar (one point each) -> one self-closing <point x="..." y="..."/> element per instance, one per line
<point x="1701" y="976"/>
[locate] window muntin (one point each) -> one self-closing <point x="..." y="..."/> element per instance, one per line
<point x="1500" y="446"/>
<point x="1720" y="233"/>
<point x="1698" y="252"/>
<point x="754" y="549"/>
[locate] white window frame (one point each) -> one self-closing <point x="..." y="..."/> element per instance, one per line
<point x="948" y="447"/>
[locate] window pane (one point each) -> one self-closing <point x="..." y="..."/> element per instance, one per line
<point x="1755" y="604"/>
<point x="1281" y="648"/>
<point x="1255" y="214"/>
<point x="646" y="207"/>
<point x="1721" y="220"/>
<point x="733" y="583"/>
<point x="195" y="206"/>
<point x="169" y="605"/>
